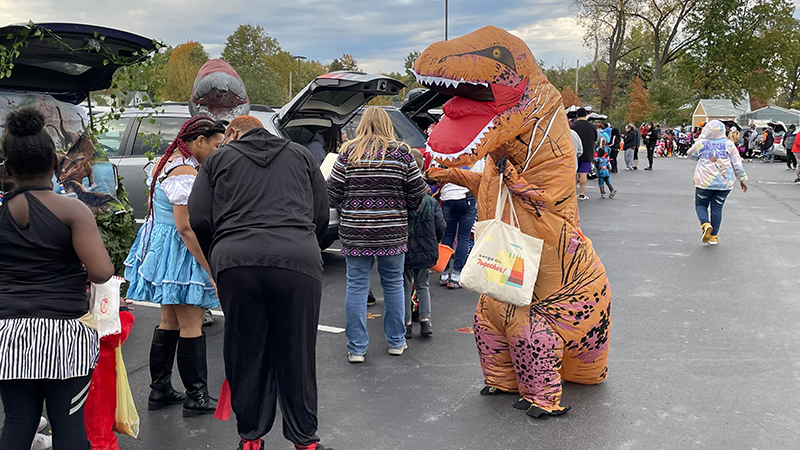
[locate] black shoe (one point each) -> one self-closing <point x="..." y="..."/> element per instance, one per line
<point x="648" y="168"/>
<point x="415" y="316"/>
<point x="425" y="328"/>
<point x="371" y="299"/>
<point x="208" y="318"/>
<point x="408" y="331"/>
<point x="194" y="372"/>
<point x="797" y="180"/>
<point x="635" y="168"/>
<point x="491" y="390"/>
<point x="522" y="404"/>
<point x="538" y="413"/>
<point x="162" y="355"/>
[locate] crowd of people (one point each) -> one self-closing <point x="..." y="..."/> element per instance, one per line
<point x="236" y="216"/>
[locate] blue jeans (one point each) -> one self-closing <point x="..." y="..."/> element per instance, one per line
<point x="703" y="198"/>
<point x="460" y="216"/>
<point x="390" y="269"/>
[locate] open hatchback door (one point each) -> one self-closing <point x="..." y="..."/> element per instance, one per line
<point x="52" y="67"/>
<point x="332" y="99"/>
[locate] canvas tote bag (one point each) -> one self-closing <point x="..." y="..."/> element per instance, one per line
<point x="504" y="262"/>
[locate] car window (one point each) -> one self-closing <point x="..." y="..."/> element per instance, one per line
<point x="111" y="140"/>
<point x="161" y="133"/>
<point x="404" y="129"/>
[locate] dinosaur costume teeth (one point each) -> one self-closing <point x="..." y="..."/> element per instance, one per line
<point x="509" y="109"/>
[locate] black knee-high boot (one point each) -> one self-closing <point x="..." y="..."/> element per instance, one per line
<point x="194" y="372"/>
<point x="162" y="355"/>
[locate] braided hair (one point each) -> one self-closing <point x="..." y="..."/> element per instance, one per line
<point x="191" y="130"/>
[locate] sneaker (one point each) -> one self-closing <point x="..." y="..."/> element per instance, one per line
<point x="635" y="168"/>
<point x="648" y="168"/>
<point x="443" y="280"/>
<point x="371" y="299"/>
<point x="613" y="193"/>
<point x="354" y="359"/>
<point x="425" y="328"/>
<point x="208" y="318"/>
<point x="397" y="351"/>
<point x="42" y="424"/>
<point x="713" y="240"/>
<point x="797" y="180"/>
<point x="42" y="442"/>
<point x="408" y="331"/>
<point x="602" y="195"/>
<point x="628" y="168"/>
<point x="706" y="227"/>
<point x="583" y="197"/>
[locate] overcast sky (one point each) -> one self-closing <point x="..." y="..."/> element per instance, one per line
<point x="378" y="33"/>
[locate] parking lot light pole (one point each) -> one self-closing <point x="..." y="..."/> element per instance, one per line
<point x="298" y="58"/>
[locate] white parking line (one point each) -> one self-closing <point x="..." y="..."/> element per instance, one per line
<point x="325" y="328"/>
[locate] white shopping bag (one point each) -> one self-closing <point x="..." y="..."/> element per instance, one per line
<point x="105" y="306"/>
<point x="504" y="262"/>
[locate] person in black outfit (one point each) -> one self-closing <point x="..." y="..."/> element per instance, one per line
<point x="653" y="134"/>
<point x="588" y="135"/>
<point x="51" y="248"/>
<point x="259" y="207"/>
<point x="615" y="146"/>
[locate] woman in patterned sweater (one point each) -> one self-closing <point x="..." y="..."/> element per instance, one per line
<point x="374" y="183"/>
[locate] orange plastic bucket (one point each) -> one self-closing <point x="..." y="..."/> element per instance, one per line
<point x="445" y="253"/>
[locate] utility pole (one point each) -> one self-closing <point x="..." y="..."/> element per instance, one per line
<point x="445" y="19"/>
<point x="577" y="67"/>
<point x="298" y="58"/>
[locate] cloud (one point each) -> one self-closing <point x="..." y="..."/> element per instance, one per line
<point x="379" y="34"/>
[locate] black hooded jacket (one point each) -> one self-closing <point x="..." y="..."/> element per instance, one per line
<point x="424" y="235"/>
<point x="260" y="201"/>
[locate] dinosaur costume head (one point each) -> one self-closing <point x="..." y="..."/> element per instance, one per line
<point x="499" y="94"/>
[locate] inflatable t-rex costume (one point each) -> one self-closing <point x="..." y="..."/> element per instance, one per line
<point x="505" y="108"/>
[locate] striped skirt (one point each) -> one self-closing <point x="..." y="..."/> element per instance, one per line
<point x="58" y="349"/>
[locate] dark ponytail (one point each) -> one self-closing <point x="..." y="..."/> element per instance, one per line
<point x="27" y="149"/>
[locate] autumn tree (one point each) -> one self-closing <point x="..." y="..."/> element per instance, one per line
<point x="181" y="71"/>
<point x="639" y="105"/>
<point x="569" y="97"/>
<point x="349" y="62"/>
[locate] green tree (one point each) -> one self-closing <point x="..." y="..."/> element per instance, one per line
<point x="248" y="46"/>
<point x="335" y="65"/>
<point x="263" y="85"/>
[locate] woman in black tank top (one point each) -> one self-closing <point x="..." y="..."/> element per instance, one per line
<point x="51" y="249"/>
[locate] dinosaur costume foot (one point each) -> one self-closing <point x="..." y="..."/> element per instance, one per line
<point x="539" y="413"/>
<point x="522" y="404"/>
<point x="491" y="390"/>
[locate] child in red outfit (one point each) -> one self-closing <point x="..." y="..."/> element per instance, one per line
<point x="101" y="404"/>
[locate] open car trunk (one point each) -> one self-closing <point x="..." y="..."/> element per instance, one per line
<point x="329" y="102"/>
<point x="419" y="104"/>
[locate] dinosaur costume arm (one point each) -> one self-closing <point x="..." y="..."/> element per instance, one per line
<point x="462" y="177"/>
<point x="534" y="198"/>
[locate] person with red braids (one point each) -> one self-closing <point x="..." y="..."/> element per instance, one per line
<point x="166" y="266"/>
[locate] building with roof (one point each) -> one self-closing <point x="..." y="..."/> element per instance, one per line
<point x="713" y="108"/>
<point x="771" y="113"/>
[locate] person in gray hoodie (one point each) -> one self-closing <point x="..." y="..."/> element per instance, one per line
<point x="259" y="208"/>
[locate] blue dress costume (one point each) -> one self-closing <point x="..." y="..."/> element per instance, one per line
<point x="168" y="273"/>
